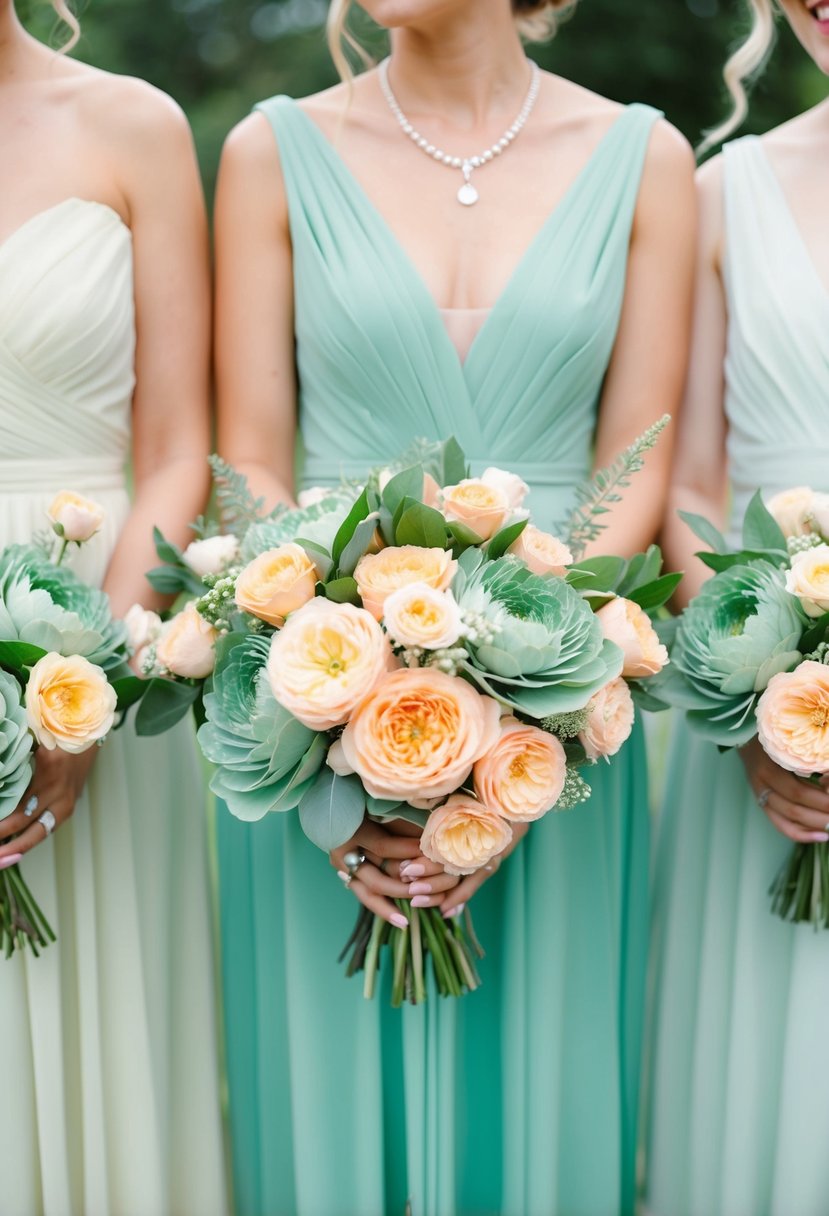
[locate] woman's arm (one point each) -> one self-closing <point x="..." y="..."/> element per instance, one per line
<point x="647" y="371"/>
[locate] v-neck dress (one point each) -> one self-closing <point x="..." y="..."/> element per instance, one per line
<point x="520" y="1099"/>
<point x="739" y="1119"/>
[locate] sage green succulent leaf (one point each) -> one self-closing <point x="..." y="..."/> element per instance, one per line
<point x="15" y="746"/>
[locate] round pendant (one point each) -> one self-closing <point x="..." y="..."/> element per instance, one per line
<point x="467" y="194"/>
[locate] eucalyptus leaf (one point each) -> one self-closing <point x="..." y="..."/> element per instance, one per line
<point x="406" y="484"/>
<point x="346" y="530"/>
<point x="20" y="655"/>
<point x="421" y="525"/>
<point x="760" y="529"/>
<point x="343" y="591"/>
<point x="502" y="540"/>
<point x="654" y="595"/>
<point x="358" y="545"/>
<point x="707" y="533"/>
<point x="163" y="705"/>
<point x="332" y="809"/>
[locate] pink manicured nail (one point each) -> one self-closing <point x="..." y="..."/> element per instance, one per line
<point x="341" y="874"/>
<point x="409" y="871"/>
<point x="819" y="837"/>
<point x="454" y="912"/>
<point x="420" y="888"/>
<point x="11" y="860"/>
<point x="397" y="918"/>
<point x="421" y="901"/>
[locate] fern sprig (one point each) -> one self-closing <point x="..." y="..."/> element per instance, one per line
<point x="236" y="504"/>
<point x="597" y="496"/>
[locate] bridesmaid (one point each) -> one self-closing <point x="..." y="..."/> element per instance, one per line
<point x="351" y="286"/>
<point x="110" y="1078"/>
<point x="739" y="1118"/>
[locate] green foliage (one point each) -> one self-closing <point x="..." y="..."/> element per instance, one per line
<point x="15" y="746"/>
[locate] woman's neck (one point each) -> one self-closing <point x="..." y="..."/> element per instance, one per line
<point x="18" y="51"/>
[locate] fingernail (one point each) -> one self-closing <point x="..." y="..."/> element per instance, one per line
<point x="421" y="888"/>
<point x="421" y="901"/>
<point x="454" y="912"/>
<point x="341" y="874"/>
<point x="409" y="871"/>
<point x="11" y="860"/>
<point x="30" y="807"/>
<point x="397" y="918"/>
<point x="819" y="837"/>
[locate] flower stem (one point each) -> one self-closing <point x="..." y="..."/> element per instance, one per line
<point x="373" y="957"/>
<point x="416" y="946"/>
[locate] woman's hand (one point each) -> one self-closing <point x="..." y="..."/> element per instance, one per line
<point x="456" y="899"/>
<point x="58" y="780"/>
<point x="797" y="808"/>
<point x="394" y="869"/>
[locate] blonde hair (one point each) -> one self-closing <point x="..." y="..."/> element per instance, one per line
<point x="65" y="14"/>
<point x="743" y="64"/>
<point x="536" y="21"/>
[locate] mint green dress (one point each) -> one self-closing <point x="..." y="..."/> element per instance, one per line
<point x="739" y="1092"/>
<point x="520" y="1099"/>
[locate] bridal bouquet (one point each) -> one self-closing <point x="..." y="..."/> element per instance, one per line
<point x="416" y="649"/>
<point x="751" y="657"/>
<point x="65" y="681"/>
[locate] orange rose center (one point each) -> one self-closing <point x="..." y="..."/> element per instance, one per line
<point x="820" y="716"/>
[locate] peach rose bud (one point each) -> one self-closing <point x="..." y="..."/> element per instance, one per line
<point x="541" y="552"/>
<point x="629" y="626"/>
<point x="462" y="835"/>
<point x="277" y="583"/>
<point x="483" y="508"/>
<point x="75" y="518"/>
<point x="522" y="776"/>
<point x="418" y="615"/>
<point x="325" y="661"/>
<point x="808" y="579"/>
<point x="611" y="720"/>
<point x="416" y="737"/>
<point x="380" y="574"/>
<point x="791" y="510"/>
<point x="186" y="645"/>
<point x="211" y="555"/>
<point x="70" y="704"/>
<point x="793" y="719"/>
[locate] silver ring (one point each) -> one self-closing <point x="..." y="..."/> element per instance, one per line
<point x="49" y="822"/>
<point x="353" y="860"/>
<point x="30" y="807"/>
<point x="826" y="828"/>
<point x="763" y="797"/>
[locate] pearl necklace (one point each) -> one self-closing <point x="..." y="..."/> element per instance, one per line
<point x="467" y="194"/>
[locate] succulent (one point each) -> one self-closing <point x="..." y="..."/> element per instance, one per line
<point x="15" y="746"/>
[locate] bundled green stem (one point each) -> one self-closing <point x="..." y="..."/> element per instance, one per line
<point x="800" y="892"/>
<point x="21" y="921"/>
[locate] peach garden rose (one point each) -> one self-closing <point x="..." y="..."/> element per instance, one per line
<point x="186" y="645"/>
<point x="462" y="835"/>
<point x="326" y="660"/>
<point x="380" y="574"/>
<point x="483" y="508"/>
<point x="791" y="509"/>
<point x="541" y="551"/>
<point x="808" y="579"/>
<point x="75" y="518"/>
<point x="629" y="626"/>
<point x="70" y="704"/>
<point x="522" y="776"/>
<point x="611" y="720"/>
<point x="793" y="719"/>
<point x="416" y="737"/>
<point x="418" y="615"/>
<point x="277" y="583"/>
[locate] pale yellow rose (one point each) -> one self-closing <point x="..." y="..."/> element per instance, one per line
<point x="808" y="579"/>
<point x="629" y="626"/>
<point x="483" y="508"/>
<point x="793" y="719"/>
<point x="277" y="583"/>
<point x="326" y="660"/>
<point x="417" y="735"/>
<point x="791" y="510"/>
<point x="379" y="574"/>
<point x="611" y="720"/>
<point x="211" y="555"/>
<point x="462" y="835"/>
<point x="543" y="553"/>
<point x="418" y="615"/>
<point x="70" y="704"/>
<point x="522" y="776"/>
<point x="75" y="518"/>
<point x="186" y="645"/>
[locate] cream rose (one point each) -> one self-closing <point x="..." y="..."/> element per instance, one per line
<point x="793" y="719"/>
<point x="143" y="627"/>
<point x="325" y="660"/>
<point x="542" y="553"/>
<point x="791" y="509"/>
<point x="379" y="574"/>
<point x="70" y="704"/>
<point x="611" y="720"/>
<point x="75" y="518"/>
<point x="311" y="496"/>
<point x="514" y="489"/>
<point x="522" y="776"/>
<point x="462" y="835"/>
<point x="211" y="555"/>
<point x="483" y="508"/>
<point x="418" y="615"/>
<point x="416" y="737"/>
<point x="808" y="579"/>
<point x="186" y="645"/>
<point x="819" y="512"/>
<point x="626" y="624"/>
<point x="277" y="583"/>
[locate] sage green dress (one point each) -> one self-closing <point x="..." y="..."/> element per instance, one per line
<point x="520" y="1099"/>
<point x="739" y="1120"/>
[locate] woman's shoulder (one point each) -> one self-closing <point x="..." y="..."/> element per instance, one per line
<point x="123" y="107"/>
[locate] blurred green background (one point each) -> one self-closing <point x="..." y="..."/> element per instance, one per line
<point x="217" y="57"/>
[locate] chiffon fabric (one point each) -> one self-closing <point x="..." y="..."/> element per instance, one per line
<point x="520" y="1099"/>
<point x="739" y="1108"/>
<point x="110" y="1085"/>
